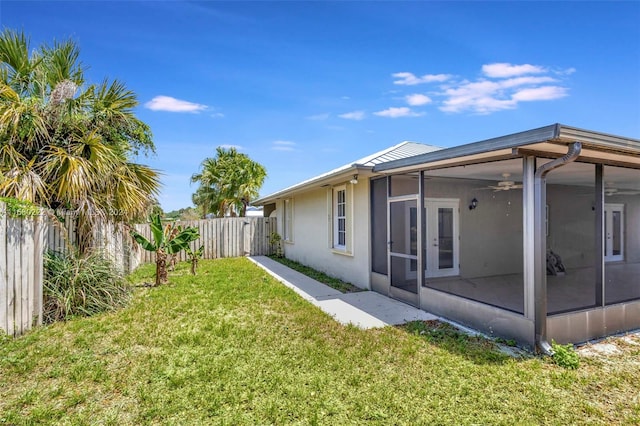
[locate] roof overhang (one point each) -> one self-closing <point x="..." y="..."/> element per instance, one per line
<point x="550" y="142"/>
<point x="334" y="177"/>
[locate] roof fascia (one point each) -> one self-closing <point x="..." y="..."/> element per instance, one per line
<point x="318" y="181"/>
<point x="596" y="141"/>
<point x="485" y="146"/>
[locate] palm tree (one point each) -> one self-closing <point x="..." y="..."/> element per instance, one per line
<point x="64" y="144"/>
<point x="228" y="182"/>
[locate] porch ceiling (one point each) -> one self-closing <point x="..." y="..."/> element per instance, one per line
<point x="579" y="174"/>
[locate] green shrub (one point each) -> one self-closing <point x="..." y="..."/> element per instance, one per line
<point x="565" y="355"/>
<point x="81" y="285"/>
<point x="20" y="208"/>
<point x="276" y="243"/>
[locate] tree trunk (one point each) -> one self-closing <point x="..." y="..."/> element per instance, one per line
<point x="194" y="265"/>
<point x="173" y="259"/>
<point x="161" y="267"/>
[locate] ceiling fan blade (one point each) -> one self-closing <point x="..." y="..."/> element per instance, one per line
<point x="622" y="193"/>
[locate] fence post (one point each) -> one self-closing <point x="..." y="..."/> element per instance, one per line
<point x="4" y="284"/>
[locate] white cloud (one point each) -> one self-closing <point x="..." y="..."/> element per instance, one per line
<point x="319" y="117"/>
<point x="480" y="96"/>
<point x="544" y="93"/>
<point x="567" y="71"/>
<point x="353" y="115"/>
<point x="505" y="69"/>
<point x="521" y="81"/>
<point x="283" y="146"/>
<point x="167" y="103"/>
<point x="418" y="99"/>
<point x="509" y="86"/>
<point x="395" y="112"/>
<point x="501" y="86"/>
<point x="409" y="79"/>
<point x="485" y="96"/>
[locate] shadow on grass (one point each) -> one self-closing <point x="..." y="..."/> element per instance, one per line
<point x="476" y="349"/>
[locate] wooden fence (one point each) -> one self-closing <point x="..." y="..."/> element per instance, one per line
<point x="113" y="240"/>
<point x="21" y="258"/>
<point x="224" y="237"/>
<point x="24" y="241"/>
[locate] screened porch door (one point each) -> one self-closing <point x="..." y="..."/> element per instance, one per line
<point x="403" y="249"/>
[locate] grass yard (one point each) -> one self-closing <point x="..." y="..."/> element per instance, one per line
<point x="233" y="346"/>
<point x="319" y="276"/>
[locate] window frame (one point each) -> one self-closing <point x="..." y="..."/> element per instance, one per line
<point x="340" y="203"/>
<point x="287" y="220"/>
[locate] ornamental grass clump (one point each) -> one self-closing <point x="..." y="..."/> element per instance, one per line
<point x="81" y="285"/>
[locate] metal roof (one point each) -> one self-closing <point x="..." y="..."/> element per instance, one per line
<point x="397" y="152"/>
<point x="410" y="156"/>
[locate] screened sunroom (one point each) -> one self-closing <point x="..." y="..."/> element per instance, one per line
<point x="532" y="236"/>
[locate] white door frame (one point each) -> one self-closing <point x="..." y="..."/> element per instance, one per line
<point x="609" y="208"/>
<point x="432" y="259"/>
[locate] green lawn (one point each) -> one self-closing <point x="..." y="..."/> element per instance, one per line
<point x="233" y="346"/>
<point x="319" y="276"/>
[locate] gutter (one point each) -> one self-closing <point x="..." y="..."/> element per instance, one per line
<point x="540" y="244"/>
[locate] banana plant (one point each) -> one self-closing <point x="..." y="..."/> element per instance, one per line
<point x="194" y="256"/>
<point x="165" y="244"/>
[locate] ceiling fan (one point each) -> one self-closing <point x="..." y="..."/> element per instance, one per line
<point x="505" y="184"/>
<point x="610" y="190"/>
<point x="615" y="191"/>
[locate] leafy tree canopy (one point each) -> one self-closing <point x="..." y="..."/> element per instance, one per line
<point x="68" y="144"/>
<point x="228" y="183"/>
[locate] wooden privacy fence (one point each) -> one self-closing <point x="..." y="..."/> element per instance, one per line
<point x="23" y="243"/>
<point x="112" y="239"/>
<point x="21" y="259"/>
<point x="223" y="237"/>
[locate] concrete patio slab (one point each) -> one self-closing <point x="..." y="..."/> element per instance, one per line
<point x="364" y="309"/>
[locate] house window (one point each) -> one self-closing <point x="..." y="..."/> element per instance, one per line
<point x="340" y="218"/>
<point x="288" y="220"/>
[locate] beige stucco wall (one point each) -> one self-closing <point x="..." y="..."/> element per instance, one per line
<point x="312" y="230"/>
<point x="571" y="225"/>
<point x="631" y="224"/>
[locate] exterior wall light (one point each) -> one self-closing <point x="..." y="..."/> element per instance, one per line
<point x="474" y="204"/>
<point x="354" y="180"/>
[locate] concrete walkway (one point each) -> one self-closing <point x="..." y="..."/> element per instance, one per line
<point x="365" y="309"/>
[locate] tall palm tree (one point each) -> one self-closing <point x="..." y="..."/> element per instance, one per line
<point x="65" y="144"/>
<point x="228" y="182"/>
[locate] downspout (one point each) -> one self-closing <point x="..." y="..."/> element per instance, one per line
<point x="540" y="243"/>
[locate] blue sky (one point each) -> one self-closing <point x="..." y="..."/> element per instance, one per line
<point x="304" y="87"/>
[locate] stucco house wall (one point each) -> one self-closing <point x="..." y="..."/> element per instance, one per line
<point x="491" y="234"/>
<point x="571" y="225"/>
<point x="313" y="230"/>
<point x="631" y="220"/>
